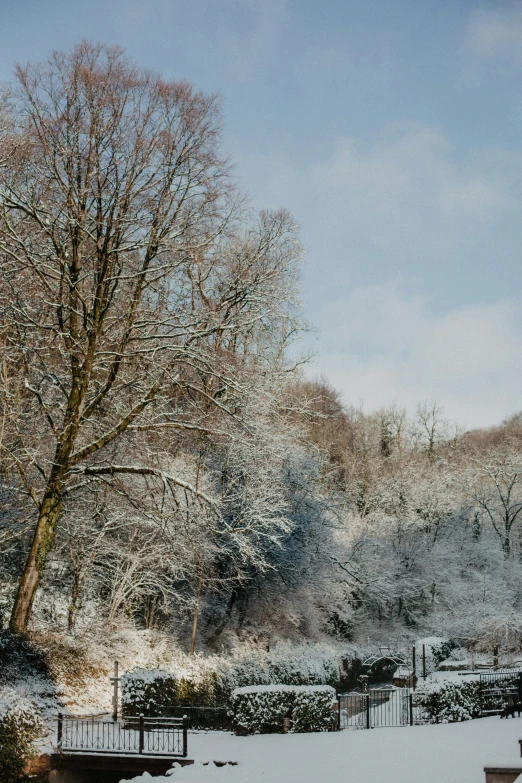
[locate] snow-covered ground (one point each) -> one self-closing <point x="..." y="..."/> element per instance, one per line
<point x="447" y="753"/>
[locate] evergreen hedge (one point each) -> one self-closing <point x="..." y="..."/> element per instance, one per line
<point x="262" y="709"/>
<point x="20" y="725"/>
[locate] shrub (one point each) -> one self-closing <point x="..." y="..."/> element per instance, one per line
<point x="154" y="692"/>
<point x="449" y="702"/>
<point x="209" y="681"/>
<point x="262" y="709"/>
<point x="305" y="664"/>
<point x="20" y="725"/>
<point x="313" y="709"/>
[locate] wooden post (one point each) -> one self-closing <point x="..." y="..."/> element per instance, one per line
<point x="115" y="681"/>
<point x="185" y="732"/>
<point x="414" y="665"/>
<point x="339" y="711"/>
<point x="410" y="700"/>
<point x="142" y="734"/>
<point x="423" y="661"/>
<point x="60" y="731"/>
<point x="367" y="710"/>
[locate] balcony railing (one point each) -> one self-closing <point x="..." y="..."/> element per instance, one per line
<point x="131" y="735"/>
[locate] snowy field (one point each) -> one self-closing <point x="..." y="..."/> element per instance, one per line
<point x="448" y="753"/>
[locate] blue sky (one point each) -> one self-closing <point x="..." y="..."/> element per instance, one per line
<point x="392" y="131"/>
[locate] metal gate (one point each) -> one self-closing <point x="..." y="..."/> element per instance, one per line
<point x="498" y="689"/>
<point x="377" y="707"/>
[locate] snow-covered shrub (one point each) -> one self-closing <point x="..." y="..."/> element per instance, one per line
<point x="147" y="691"/>
<point x="262" y="709"/>
<point x="156" y="692"/>
<point x="449" y="702"/>
<point x="459" y="654"/>
<point x="202" y="681"/>
<point x="313" y="709"/>
<point x="20" y="725"/>
<point x="305" y="664"/>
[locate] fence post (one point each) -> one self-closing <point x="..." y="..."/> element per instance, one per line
<point x="142" y="735"/>
<point x="185" y="731"/>
<point x="60" y="729"/>
<point x="367" y="710"/>
<point x="410" y="699"/>
<point x="115" y="681"/>
<point x="414" y="665"/>
<point x="339" y="711"/>
<point x="520" y="686"/>
<point x="423" y="661"/>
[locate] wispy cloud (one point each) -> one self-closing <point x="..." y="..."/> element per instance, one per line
<point x="496" y="33"/>
<point x="406" y="206"/>
<point x="381" y="345"/>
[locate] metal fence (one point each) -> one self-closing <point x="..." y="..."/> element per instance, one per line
<point x="498" y="689"/>
<point x="203" y="718"/>
<point x="377" y="707"/>
<point x="405" y="707"/>
<point x="131" y="735"/>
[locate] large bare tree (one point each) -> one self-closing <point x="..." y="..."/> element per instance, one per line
<point x="115" y="221"/>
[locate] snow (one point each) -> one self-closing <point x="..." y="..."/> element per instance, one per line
<point x="284" y="688"/>
<point x="453" y="753"/>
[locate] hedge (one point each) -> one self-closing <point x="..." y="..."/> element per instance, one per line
<point x="262" y="709"/>
<point x="449" y="702"/>
<point x="20" y="725"/>
<point x="153" y="692"/>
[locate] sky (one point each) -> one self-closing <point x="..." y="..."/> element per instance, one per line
<point x="391" y="130"/>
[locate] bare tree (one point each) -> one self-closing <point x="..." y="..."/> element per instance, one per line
<point x="495" y="485"/>
<point x="428" y="427"/>
<point x="112" y="199"/>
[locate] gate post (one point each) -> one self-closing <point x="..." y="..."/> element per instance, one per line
<point x="339" y="711"/>
<point x="410" y="701"/>
<point x="414" y="666"/>
<point x="367" y="710"/>
<point x="142" y="735"/>
<point x="59" y="735"/>
<point x="115" y="681"/>
<point x="185" y="728"/>
<point x="423" y="661"/>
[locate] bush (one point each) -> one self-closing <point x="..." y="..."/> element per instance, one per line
<point x="449" y="702"/>
<point x="304" y="664"/>
<point x="20" y="725"/>
<point x="153" y="692"/>
<point x="209" y="681"/>
<point x="262" y="709"/>
<point x="313" y="709"/>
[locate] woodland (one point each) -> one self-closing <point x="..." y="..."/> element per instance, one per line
<point x="166" y="464"/>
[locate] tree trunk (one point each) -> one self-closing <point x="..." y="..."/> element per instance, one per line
<point x="73" y="605"/>
<point x="43" y="540"/>
<point x="195" y="621"/>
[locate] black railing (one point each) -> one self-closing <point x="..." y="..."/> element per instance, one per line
<point x="377" y="707"/>
<point x="499" y="689"/>
<point x="203" y="718"/>
<point x="132" y="735"/>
